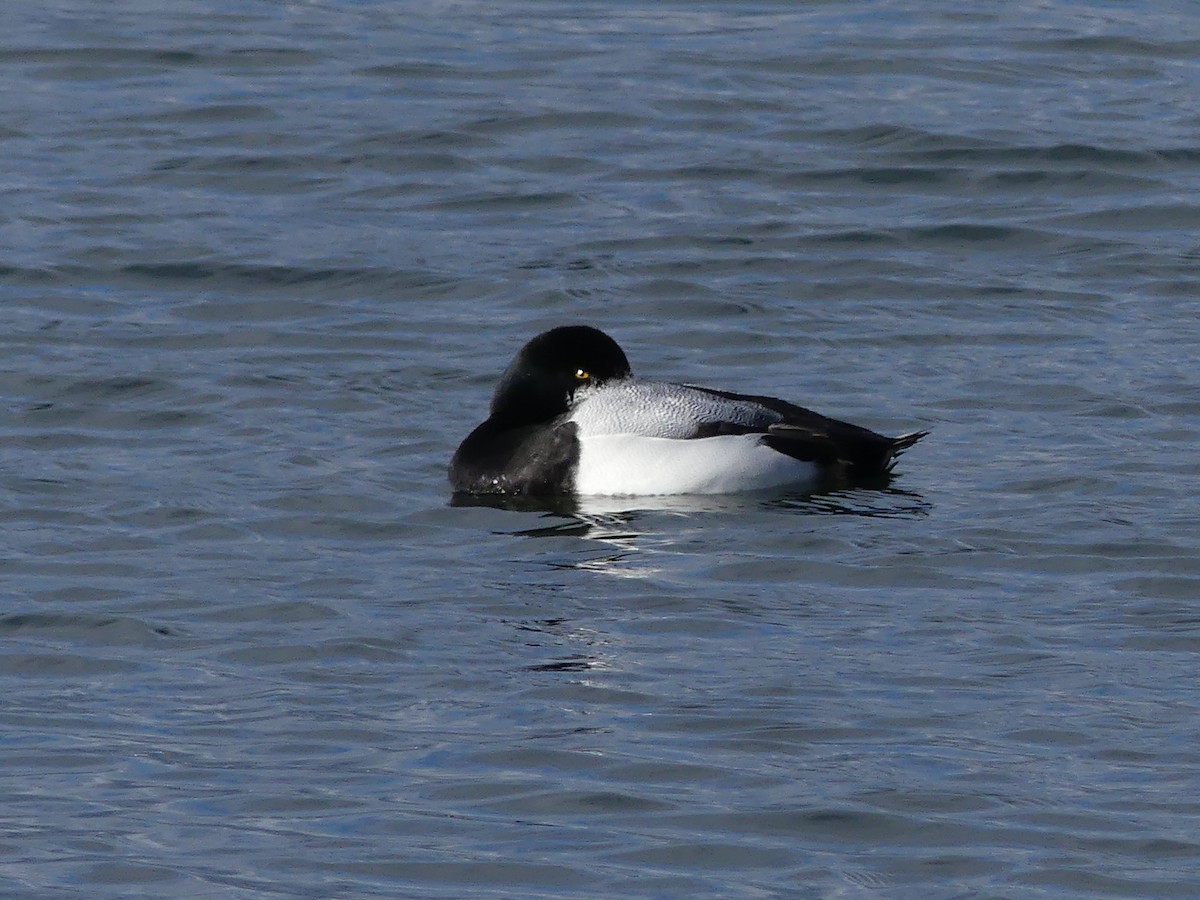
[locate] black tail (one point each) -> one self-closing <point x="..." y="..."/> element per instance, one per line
<point x="899" y="444"/>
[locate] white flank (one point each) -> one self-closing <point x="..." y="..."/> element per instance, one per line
<point x="630" y="464"/>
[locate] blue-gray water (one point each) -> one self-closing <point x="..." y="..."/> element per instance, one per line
<point x="260" y="265"/>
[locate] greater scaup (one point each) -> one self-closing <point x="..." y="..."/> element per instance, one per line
<point x="569" y="418"/>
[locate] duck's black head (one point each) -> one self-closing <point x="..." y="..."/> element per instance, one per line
<point x="539" y="383"/>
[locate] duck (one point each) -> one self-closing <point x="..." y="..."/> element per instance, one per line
<point x="568" y="418"/>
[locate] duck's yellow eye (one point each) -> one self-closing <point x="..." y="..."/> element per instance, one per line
<point x="582" y="374"/>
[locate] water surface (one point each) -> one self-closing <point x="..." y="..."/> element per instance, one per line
<point x="261" y="268"/>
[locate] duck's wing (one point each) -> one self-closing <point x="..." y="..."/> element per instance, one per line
<point x="812" y="437"/>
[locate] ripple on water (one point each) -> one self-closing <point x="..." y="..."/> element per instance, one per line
<point x="262" y="268"/>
